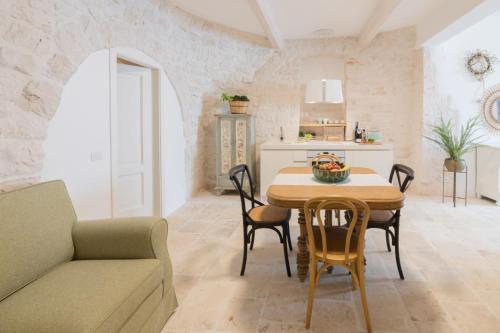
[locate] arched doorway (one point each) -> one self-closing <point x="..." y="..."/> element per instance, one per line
<point x="81" y="146"/>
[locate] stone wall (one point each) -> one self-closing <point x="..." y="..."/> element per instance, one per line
<point x="43" y="42"/>
<point x="382" y="89"/>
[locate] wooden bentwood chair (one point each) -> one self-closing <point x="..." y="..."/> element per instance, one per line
<point x="385" y="219"/>
<point x="337" y="245"/>
<point x="259" y="216"/>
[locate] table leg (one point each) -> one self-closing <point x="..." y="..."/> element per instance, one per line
<point x="443" y="186"/>
<point x="454" y="189"/>
<point x="466" y="172"/>
<point x="303" y="254"/>
<point x="328" y="218"/>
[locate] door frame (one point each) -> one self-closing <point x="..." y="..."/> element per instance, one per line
<point x="137" y="58"/>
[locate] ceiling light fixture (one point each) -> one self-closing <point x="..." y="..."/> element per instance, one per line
<point x="323" y="32"/>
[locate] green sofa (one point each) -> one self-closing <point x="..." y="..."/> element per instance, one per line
<point x="60" y="275"/>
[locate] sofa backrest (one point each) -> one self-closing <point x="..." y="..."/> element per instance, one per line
<point x="35" y="233"/>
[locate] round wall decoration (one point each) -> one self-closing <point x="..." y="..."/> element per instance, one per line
<point x="491" y="108"/>
<point x="480" y="64"/>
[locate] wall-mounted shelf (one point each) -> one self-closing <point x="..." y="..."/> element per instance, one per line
<point x="324" y="127"/>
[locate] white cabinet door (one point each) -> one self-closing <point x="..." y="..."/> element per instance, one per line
<point x="379" y="160"/>
<point x="135" y="142"/>
<point x="272" y="161"/>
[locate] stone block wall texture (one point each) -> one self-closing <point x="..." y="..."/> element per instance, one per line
<point x="43" y="42"/>
<point x="383" y="89"/>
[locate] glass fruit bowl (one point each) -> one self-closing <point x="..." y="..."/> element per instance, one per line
<point x="327" y="168"/>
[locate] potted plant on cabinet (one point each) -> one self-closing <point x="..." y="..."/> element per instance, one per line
<point x="456" y="145"/>
<point x="237" y="103"/>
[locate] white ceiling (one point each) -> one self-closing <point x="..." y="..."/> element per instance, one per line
<point x="301" y="18"/>
<point x="236" y="14"/>
<point x="410" y="12"/>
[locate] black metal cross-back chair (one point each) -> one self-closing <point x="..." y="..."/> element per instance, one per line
<point x="385" y="219"/>
<point x="259" y="216"/>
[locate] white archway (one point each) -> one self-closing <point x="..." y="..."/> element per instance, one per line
<point x="78" y="145"/>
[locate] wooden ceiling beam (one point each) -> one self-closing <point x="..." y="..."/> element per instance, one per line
<point x="266" y="18"/>
<point x="376" y="21"/>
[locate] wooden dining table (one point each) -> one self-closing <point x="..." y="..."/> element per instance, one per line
<point x="293" y="186"/>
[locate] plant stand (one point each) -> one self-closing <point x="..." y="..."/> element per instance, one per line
<point x="454" y="196"/>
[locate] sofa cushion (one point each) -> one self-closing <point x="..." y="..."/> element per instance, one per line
<point x="82" y="296"/>
<point x="35" y="233"/>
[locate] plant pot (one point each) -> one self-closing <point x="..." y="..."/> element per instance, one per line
<point x="238" y="106"/>
<point x="454" y="165"/>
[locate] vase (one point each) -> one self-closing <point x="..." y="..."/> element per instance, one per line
<point x="454" y="165"/>
<point x="238" y="107"/>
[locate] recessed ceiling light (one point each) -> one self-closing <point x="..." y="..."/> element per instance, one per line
<point x="323" y="32"/>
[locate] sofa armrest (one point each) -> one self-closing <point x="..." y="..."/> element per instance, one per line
<point x="124" y="238"/>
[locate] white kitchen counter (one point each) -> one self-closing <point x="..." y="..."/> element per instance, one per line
<point x="327" y="145"/>
<point x="275" y="156"/>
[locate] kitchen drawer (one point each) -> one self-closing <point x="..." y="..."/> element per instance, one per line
<point x="314" y="153"/>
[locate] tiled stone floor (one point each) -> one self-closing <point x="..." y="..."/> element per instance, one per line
<point x="450" y="256"/>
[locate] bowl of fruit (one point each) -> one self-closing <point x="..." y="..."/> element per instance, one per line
<point x="328" y="168"/>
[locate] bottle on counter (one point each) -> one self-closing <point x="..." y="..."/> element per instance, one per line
<point x="357" y="133"/>
<point x="363" y="136"/>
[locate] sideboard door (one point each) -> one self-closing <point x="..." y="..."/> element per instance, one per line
<point x="235" y="145"/>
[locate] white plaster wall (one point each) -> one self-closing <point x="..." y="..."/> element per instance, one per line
<point x="80" y="127"/>
<point x="450" y="90"/>
<point x="174" y="182"/>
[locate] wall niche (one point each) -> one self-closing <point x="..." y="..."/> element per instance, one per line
<point x="322" y="67"/>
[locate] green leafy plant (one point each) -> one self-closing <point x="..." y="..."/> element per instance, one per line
<point x="457" y="145"/>
<point x="226" y="97"/>
<point x="241" y="98"/>
<point x="229" y="98"/>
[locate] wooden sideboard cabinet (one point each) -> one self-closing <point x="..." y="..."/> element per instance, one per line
<point x="235" y="140"/>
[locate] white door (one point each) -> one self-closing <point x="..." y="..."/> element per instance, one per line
<point x="134" y="152"/>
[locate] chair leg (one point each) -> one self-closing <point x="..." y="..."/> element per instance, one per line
<point x="245" y="244"/>
<point x="362" y="290"/>
<point x="288" y="236"/>
<point x="354" y="277"/>
<point x="387" y="235"/>
<point x="285" y="251"/>
<point x="396" y="249"/>
<point x="310" y="294"/>
<point x="252" y="238"/>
